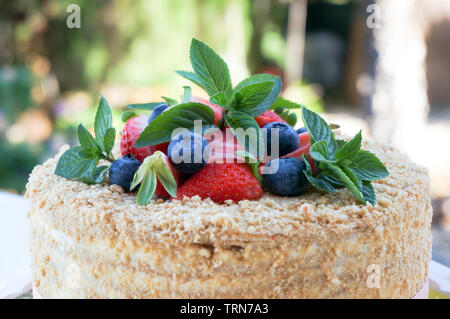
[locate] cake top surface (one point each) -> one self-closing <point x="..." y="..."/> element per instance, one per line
<point x="96" y="210"/>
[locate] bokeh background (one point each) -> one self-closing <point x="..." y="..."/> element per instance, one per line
<point x="377" y="65"/>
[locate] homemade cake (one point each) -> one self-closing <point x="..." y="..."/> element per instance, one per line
<point x="314" y="246"/>
<point x="214" y="212"/>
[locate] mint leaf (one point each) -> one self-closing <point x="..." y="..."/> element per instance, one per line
<point x="126" y="115"/>
<point x="368" y="192"/>
<point x="350" y="148"/>
<point x="367" y="166"/>
<point x="109" y="139"/>
<point x="318" y="129"/>
<point x="210" y="71"/>
<point x="143" y="106"/>
<point x="252" y="162"/>
<point x="103" y="121"/>
<point x="289" y="117"/>
<point x="285" y="104"/>
<point x="87" y="141"/>
<point x="170" y="101"/>
<point x="220" y="99"/>
<point x="178" y="116"/>
<point x="187" y="94"/>
<point x="254" y="94"/>
<point x="319" y="151"/>
<point x="319" y="183"/>
<point x="76" y="164"/>
<point x="247" y="132"/>
<point x="346" y="181"/>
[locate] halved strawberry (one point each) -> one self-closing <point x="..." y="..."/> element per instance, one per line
<point x="216" y="109"/>
<point x="268" y="117"/>
<point x="133" y="128"/>
<point x="222" y="181"/>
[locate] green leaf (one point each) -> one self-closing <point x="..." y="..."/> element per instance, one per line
<point x="285" y="104"/>
<point x="143" y="106"/>
<point x="350" y="148"/>
<point x="187" y="95"/>
<point x="319" y="151"/>
<point x="153" y="169"/>
<point x="220" y="99"/>
<point x="352" y="176"/>
<point x="368" y="192"/>
<point x="247" y="131"/>
<point x="87" y="141"/>
<point x="76" y="164"/>
<point x="251" y="96"/>
<point x="193" y="77"/>
<point x="103" y="121"/>
<point x="289" y="117"/>
<point x="211" y="72"/>
<point x="367" y="166"/>
<point x="109" y="139"/>
<point x="319" y="183"/>
<point x="165" y="177"/>
<point x="256" y="94"/>
<point x="126" y="115"/>
<point x="252" y="162"/>
<point x="170" y="101"/>
<point x="178" y="116"/>
<point x="318" y="129"/>
<point x="147" y="189"/>
<point x="97" y="177"/>
<point x="345" y="180"/>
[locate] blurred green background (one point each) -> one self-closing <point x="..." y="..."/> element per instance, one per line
<point x="51" y="75"/>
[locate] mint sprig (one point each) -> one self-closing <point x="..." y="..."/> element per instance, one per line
<point x="341" y="164"/>
<point x="179" y="116"/>
<point x="80" y="162"/>
<point x="153" y="169"/>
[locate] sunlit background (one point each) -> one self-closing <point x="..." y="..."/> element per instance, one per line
<point x="382" y="68"/>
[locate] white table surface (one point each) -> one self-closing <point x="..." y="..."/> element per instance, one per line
<point x="15" y="273"/>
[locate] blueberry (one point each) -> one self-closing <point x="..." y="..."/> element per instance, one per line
<point x="156" y="111"/>
<point x="188" y="152"/>
<point x="287" y="138"/>
<point x="288" y="180"/>
<point x="302" y="130"/>
<point x="121" y="171"/>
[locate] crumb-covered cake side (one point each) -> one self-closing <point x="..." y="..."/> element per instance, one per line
<point x="316" y="245"/>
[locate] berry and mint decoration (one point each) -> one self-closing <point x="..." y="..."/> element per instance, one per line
<point x="158" y="161"/>
<point x="341" y="164"/>
<point x="80" y="162"/>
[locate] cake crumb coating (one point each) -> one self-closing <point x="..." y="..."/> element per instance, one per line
<point x="317" y="245"/>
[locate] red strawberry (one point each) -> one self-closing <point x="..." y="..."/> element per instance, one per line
<point x="268" y="117"/>
<point x="160" y="190"/>
<point x="133" y="128"/>
<point x="216" y="109"/>
<point x="222" y="181"/>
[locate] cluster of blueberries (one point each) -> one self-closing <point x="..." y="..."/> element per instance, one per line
<point x="189" y="153"/>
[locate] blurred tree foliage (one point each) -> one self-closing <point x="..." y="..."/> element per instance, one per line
<point x="126" y="43"/>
